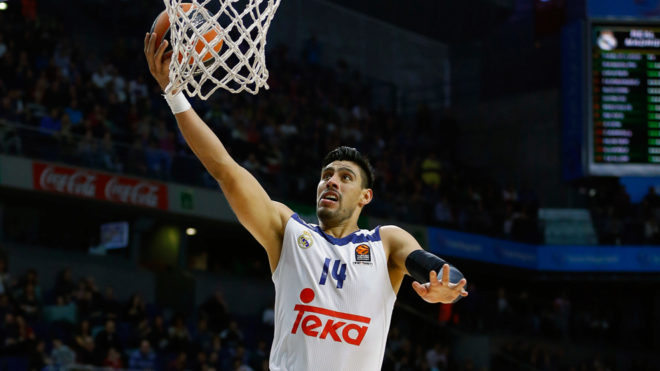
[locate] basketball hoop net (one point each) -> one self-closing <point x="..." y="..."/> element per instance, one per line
<point x="219" y="44"/>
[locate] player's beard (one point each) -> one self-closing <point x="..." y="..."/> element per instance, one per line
<point x="334" y="217"/>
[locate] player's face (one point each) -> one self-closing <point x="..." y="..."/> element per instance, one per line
<point x="339" y="192"/>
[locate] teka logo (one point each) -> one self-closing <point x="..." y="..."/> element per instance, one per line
<point x="321" y="322"/>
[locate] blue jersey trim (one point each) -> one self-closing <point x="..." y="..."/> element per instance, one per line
<point x="354" y="237"/>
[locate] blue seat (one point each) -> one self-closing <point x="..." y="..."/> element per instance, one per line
<point x="13" y="364"/>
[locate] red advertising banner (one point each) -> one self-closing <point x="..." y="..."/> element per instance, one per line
<point x="101" y="186"/>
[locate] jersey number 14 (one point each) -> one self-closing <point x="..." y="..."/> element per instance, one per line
<point x="338" y="272"/>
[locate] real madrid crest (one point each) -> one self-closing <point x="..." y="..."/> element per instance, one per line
<point x="305" y="240"/>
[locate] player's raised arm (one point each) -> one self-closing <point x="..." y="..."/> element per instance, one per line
<point x="263" y="218"/>
<point x="406" y="256"/>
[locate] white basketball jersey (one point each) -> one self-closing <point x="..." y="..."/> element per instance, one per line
<point x="333" y="301"/>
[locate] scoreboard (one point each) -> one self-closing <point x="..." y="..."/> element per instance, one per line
<point x="624" y="97"/>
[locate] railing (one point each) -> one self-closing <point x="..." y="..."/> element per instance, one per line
<point x="82" y="367"/>
<point x="117" y="157"/>
<point x="155" y="163"/>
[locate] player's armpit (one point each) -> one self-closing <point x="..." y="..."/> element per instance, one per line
<point x="399" y="244"/>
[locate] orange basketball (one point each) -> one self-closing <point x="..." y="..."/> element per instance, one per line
<point x="161" y="27"/>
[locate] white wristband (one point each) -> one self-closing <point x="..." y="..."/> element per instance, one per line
<point x="178" y="102"/>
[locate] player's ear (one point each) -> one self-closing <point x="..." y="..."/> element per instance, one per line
<point x="366" y="196"/>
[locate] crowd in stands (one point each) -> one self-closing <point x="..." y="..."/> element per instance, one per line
<point x="65" y="100"/>
<point x="618" y="220"/>
<point x="73" y="323"/>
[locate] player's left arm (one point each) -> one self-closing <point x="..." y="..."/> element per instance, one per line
<point x="406" y="256"/>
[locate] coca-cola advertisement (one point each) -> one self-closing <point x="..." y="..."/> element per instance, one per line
<point x="102" y="186"/>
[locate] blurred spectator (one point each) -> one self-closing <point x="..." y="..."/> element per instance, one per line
<point x="87" y="353"/>
<point x="268" y="320"/>
<point x="10" y="142"/>
<point x="31" y="278"/>
<point x="436" y="357"/>
<point x="82" y="335"/>
<point x="503" y="309"/>
<point x="431" y="168"/>
<point x="136" y="159"/>
<point x="240" y="365"/>
<point x="4" y="275"/>
<point x="62" y="355"/>
<point x="19" y="336"/>
<point x="158" y="162"/>
<point x="64" y="285"/>
<point x="141" y="332"/>
<point x="29" y="9"/>
<point x="260" y="355"/>
<point x="9" y="330"/>
<point x="232" y="335"/>
<point x="66" y="140"/>
<point x="562" y="312"/>
<point x="88" y="150"/>
<point x="111" y="306"/>
<point x="3" y="46"/>
<point x="178" y="363"/>
<point x="201" y="360"/>
<point x="136" y="309"/>
<point x="51" y="123"/>
<point x="143" y="358"/>
<point x="651" y="231"/>
<point x="214" y="310"/>
<point x="74" y="113"/>
<point x="510" y="195"/>
<point x="113" y="359"/>
<point x="63" y="310"/>
<point x="178" y="335"/>
<point x="107" y="338"/>
<point x="6" y="306"/>
<point x="28" y="303"/>
<point x="311" y="51"/>
<point x="102" y="77"/>
<point x="202" y="336"/>
<point x="223" y="352"/>
<point x="159" y="336"/>
<point x="137" y="89"/>
<point x="108" y="154"/>
<point x="38" y="358"/>
<point x="443" y="214"/>
<point x="89" y="299"/>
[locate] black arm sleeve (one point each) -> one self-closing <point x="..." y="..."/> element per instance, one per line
<point x="420" y="263"/>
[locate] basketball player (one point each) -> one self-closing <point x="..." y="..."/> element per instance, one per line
<point x="335" y="284"/>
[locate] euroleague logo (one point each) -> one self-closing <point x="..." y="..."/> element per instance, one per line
<point x="362" y="255"/>
<point x="323" y="323"/>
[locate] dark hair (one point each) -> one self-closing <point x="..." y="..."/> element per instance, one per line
<point x="351" y="154"/>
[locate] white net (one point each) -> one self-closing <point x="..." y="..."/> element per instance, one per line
<point x="219" y="44"/>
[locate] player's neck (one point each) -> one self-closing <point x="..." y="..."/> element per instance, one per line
<point x="341" y="229"/>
